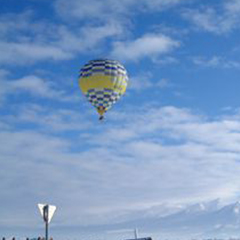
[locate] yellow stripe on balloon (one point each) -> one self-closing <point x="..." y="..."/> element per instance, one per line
<point x="101" y="82"/>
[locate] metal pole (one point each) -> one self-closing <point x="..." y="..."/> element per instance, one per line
<point x="136" y="233"/>
<point x="45" y="217"/>
<point x="46" y="231"/>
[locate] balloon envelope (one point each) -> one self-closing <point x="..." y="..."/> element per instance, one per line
<point x="103" y="82"/>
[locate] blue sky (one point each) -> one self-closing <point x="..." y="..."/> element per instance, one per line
<point x="172" y="139"/>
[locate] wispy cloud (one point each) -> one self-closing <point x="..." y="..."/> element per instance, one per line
<point x="216" y="62"/>
<point x="27" y="40"/>
<point x="87" y="37"/>
<point x="49" y="119"/>
<point x="24" y="39"/>
<point x="19" y="53"/>
<point x="149" y="45"/>
<point x="187" y="152"/>
<point x="145" y="81"/>
<point x="221" y="19"/>
<point x="232" y="6"/>
<point x="33" y="85"/>
<point x="109" y="9"/>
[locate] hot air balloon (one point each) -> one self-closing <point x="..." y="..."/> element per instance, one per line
<point x="103" y="82"/>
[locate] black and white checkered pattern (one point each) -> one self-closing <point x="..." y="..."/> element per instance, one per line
<point x="102" y="98"/>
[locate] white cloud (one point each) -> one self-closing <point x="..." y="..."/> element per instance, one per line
<point x="232" y="6"/>
<point x="20" y="53"/>
<point x="220" y="19"/>
<point x="166" y="60"/>
<point x="109" y="9"/>
<point x="29" y="40"/>
<point x="105" y="168"/>
<point x="37" y="87"/>
<point x="141" y="82"/>
<point x="88" y="37"/>
<point x="93" y="35"/>
<point x="33" y="85"/>
<point x="47" y="119"/>
<point x="25" y="40"/>
<point x="216" y="62"/>
<point x="163" y="83"/>
<point x="149" y="45"/>
<point x="145" y="81"/>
